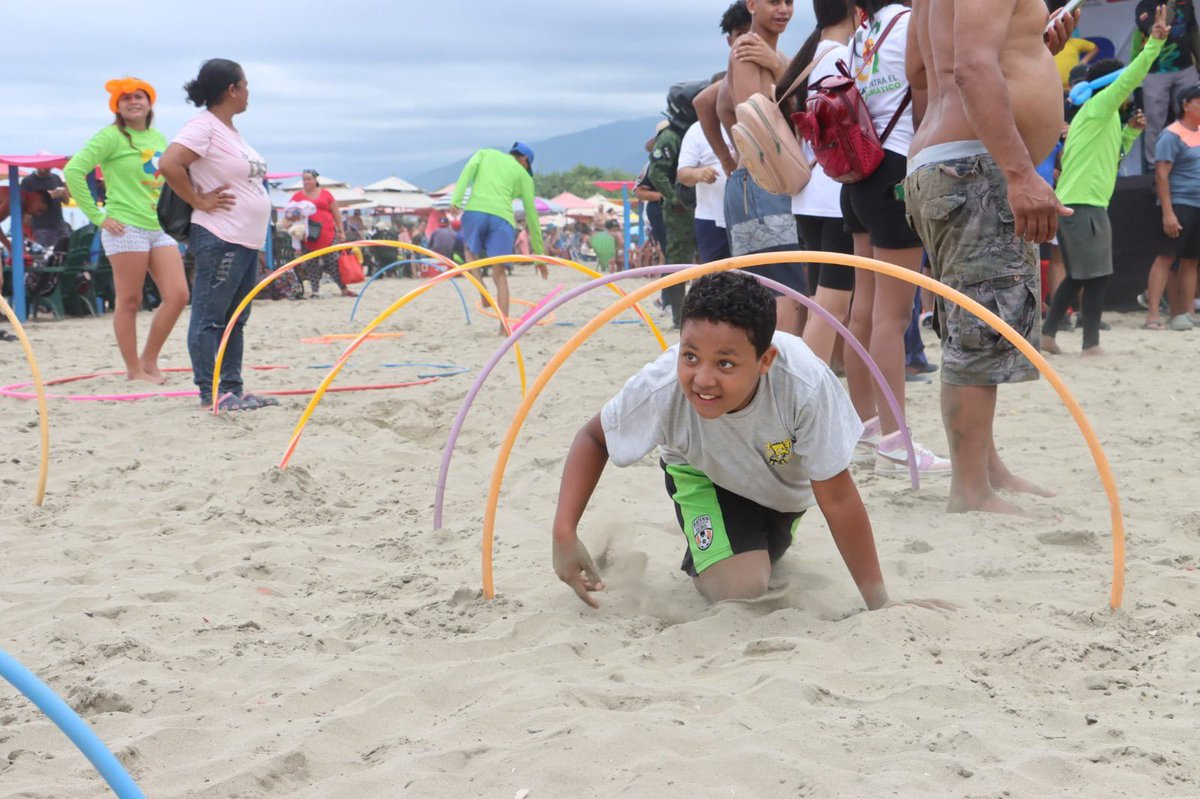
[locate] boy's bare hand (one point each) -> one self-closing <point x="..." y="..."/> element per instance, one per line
<point x="575" y="567"/>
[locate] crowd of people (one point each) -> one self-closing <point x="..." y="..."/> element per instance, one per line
<point x="958" y="104"/>
<point x="705" y="205"/>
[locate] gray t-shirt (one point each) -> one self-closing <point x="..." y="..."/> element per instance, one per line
<point x="799" y="427"/>
<point x="1181" y="148"/>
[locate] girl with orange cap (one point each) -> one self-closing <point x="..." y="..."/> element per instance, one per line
<point x="128" y="151"/>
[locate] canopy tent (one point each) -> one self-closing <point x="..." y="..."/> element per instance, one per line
<point x="573" y="205"/>
<point x="444" y="191"/>
<point x="542" y="205"/>
<point x="394" y="192"/>
<point x="14" y="164"/>
<point x="391" y="183"/>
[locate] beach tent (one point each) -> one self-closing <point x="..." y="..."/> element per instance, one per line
<point x="444" y="191"/>
<point x="575" y="206"/>
<point x="393" y="192"/>
<point x="14" y="164"/>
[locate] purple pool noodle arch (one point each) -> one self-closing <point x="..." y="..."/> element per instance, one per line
<point x="650" y="271"/>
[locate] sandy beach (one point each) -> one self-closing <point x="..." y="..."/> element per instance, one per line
<point x="234" y="630"/>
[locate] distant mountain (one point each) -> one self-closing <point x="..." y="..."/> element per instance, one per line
<point x="616" y="145"/>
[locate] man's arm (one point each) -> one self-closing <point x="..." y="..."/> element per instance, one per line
<point x="532" y="225"/>
<point x="751" y="48"/>
<point x="851" y="529"/>
<point x="705" y="104"/>
<point x="1109" y="100"/>
<point x="914" y="64"/>
<point x="585" y="463"/>
<point x="465" y="179"/>
<point x="980" y="31"/>
<point x="174" y="164"/>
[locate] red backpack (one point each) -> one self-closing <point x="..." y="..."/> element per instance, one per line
<point x="837" y="124"/>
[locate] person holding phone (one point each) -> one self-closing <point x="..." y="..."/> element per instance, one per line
<point x="1173" y="71"/>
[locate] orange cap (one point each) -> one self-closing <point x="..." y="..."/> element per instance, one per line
<point x="119" y="86"/>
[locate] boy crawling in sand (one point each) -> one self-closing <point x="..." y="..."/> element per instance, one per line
<point x="751" y="429"/>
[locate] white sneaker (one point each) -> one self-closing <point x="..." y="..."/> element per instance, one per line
<point x="891" y="459"/>
<point x="864" y="450"/>
<point x="1181" y="322"/>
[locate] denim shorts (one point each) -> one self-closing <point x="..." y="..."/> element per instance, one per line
<point x="761" y="222"/>
<point x="487" y="234"/>
<point x="960" y="209"/>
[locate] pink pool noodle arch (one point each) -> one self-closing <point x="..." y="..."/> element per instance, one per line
<point x="646" y="271"/>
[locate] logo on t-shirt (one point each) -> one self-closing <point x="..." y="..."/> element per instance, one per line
<point x="702" y="531"/>
<point x="779" y="453"/>
<point x="150" y="161"/>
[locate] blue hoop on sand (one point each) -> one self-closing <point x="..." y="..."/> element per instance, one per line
<point x="75" y="728"/>
<point x="455" y="368"/>
<point x="424" y="261"/>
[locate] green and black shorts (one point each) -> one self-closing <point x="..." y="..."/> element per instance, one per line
<point x="720" y="524"/>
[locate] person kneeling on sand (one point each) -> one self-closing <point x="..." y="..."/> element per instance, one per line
<point x="751" y="428"/>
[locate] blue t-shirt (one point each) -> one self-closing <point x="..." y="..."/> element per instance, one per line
<point x="1181" y="148"/>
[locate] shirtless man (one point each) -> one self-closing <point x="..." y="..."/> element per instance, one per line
<point x="994" y="111"/>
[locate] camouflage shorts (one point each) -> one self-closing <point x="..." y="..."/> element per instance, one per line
<point x="960" y="209"/>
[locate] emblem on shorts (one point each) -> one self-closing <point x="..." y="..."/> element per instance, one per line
<point x="779" y="452"/>
<point x="702" y="531"/>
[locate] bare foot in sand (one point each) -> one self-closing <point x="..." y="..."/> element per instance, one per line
<point x="146" y="377"/>
<point x="1049" y="345"/>
<point x="1094" y="352"/>
<point x="1010" y="482"/>
<point x="153" y="373"/>
<point x="992" y="504"/>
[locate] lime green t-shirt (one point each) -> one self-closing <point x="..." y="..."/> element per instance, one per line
<point x="495" y="180"/>
<point x="131" y="177"/>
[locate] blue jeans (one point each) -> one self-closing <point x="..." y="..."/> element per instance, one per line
<point x="914" y="347"/>
<point x="225" y="274"/>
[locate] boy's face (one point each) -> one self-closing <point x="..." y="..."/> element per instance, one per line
<point x="718" y="369"/>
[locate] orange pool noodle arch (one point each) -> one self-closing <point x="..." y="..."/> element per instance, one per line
<point x="43" y="411"/>
<point x="742" y="262"/>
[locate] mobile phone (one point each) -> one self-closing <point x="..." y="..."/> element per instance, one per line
<point x="1070" y="8"/>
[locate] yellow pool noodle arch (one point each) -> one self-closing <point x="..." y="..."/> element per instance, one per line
<point x="43" y="412"/>
<point x="292" y="264"/>
<point x="418" y="291"/>
<point x="1085" y="427"/>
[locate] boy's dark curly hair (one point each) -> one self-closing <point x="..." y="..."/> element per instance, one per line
<point x="736" y="299"/>
<point x="1103" y="67"/>
<point x="736" y="17"/>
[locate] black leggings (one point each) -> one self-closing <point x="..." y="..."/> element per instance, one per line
<point x="1090" y="307"/>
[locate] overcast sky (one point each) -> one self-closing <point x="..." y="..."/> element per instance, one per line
<point x="362" y="90"/>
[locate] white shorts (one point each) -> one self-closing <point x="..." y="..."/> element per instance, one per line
<point x="134" y="239"/>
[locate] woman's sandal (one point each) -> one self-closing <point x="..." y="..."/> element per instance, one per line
<point x="1156" y="324"/>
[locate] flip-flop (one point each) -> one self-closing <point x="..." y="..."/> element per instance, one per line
<point x="253" y="402"/>
<point x="1155" y="325"/>
<point x="227" y="402"/>
<point x="6" y="336"/>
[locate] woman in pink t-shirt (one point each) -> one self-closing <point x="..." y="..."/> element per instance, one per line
<point x="330" y="221"/>
<point x="212" y="168"/>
